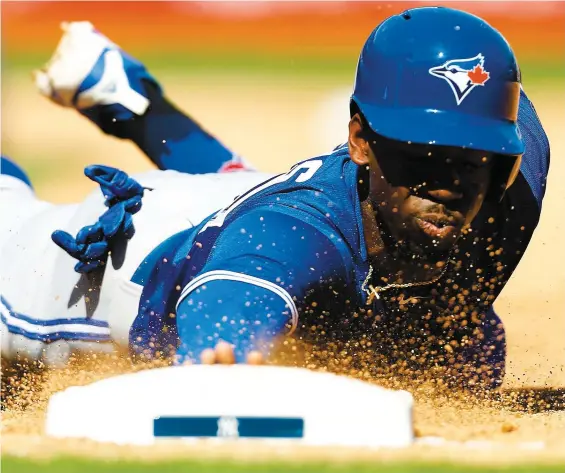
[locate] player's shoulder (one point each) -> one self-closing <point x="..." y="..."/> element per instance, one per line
<point x="315" y="184"/>
<point x="280" y="233"/>
<point x="322" y="190"/>
<point x="316" y="200"/>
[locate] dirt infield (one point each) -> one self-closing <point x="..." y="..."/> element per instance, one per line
<point x="55" y="144"/>
<point x="516" y="428"/>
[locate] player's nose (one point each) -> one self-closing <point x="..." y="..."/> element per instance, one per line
<point x="446" y="186"/>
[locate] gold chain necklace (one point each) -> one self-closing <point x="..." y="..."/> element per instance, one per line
<point x="374" y="291"/>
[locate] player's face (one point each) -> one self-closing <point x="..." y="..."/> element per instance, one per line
<point x="424" y="195"/>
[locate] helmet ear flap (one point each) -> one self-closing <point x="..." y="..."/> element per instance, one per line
<point x="505" y="171"/>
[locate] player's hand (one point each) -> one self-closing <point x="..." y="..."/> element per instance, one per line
<point x="60" y="78"/>
<point x="223" y="354"/>
<point x="88" y="70"/>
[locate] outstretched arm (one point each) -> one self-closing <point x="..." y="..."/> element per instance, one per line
<point x="259" y="284"/>
<point x="93" y="75"/>
<point x="168" y="137"/>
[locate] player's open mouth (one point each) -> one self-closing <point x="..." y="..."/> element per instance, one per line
<point x="436" y="227"/>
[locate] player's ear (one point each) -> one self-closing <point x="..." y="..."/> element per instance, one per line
<point x="358" y="145"/>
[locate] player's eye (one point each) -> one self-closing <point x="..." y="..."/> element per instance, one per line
<point x="414" y="161"/>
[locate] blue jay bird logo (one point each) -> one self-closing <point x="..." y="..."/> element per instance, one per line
<point x="462" y="75"/>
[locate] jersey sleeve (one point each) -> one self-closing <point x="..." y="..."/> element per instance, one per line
<point x="168" y="137"/>
<point x="259" y="280"/>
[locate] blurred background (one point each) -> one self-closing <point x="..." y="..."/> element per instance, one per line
<point x="280" y="72"/>
<point x="272" y="80"/>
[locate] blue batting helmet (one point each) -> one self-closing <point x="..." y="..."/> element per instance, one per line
<point x="435" y="75"/>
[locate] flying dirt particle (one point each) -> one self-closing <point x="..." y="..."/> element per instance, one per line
<point x="507" y="428"/>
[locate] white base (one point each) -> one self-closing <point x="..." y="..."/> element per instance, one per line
<point x="336" y="410"/>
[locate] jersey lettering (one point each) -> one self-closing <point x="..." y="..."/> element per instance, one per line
<point x="309" y="168"/>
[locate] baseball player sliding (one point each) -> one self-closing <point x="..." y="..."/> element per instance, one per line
<point x="390" y="250"/>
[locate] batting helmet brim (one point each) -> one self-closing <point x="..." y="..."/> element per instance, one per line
<point x="436" y="127"/>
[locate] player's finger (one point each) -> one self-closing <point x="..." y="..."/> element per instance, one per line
<point x="208" y="357"/>
<point x="255" y="358"/>
<point x="224" y="353"/>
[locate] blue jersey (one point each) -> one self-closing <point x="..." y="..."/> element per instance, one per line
<point x="262" y="260"/>
<point x="289" y="256"/>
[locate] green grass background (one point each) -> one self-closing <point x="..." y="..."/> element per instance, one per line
<point x="323" y="66"/>
<point x="75" y="465"/>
